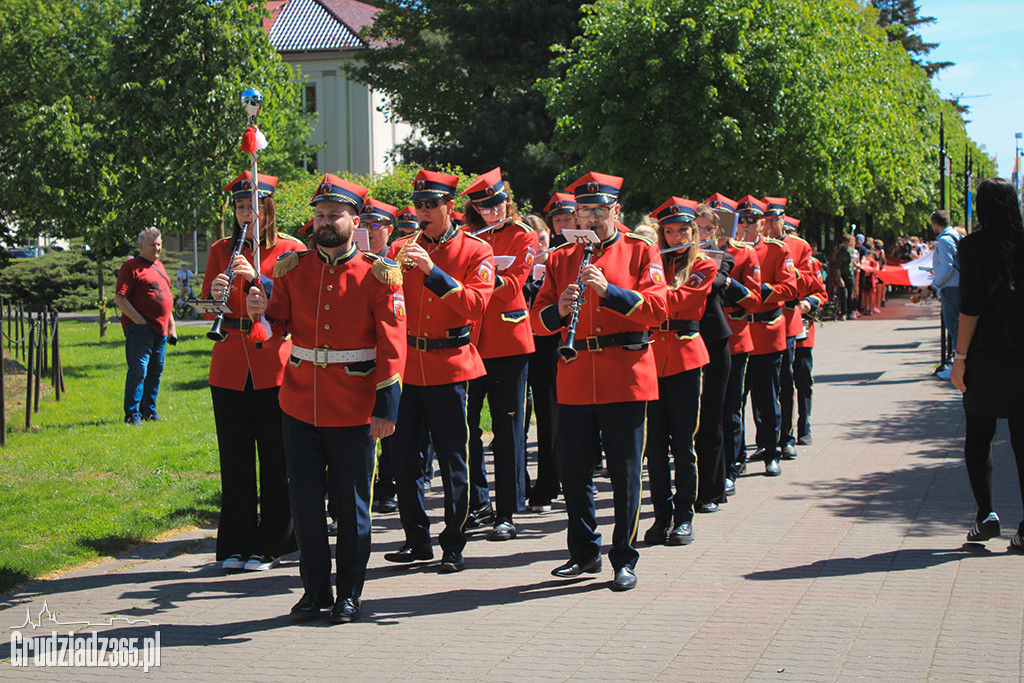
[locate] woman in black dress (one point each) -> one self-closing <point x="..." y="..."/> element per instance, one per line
<point x="989" y="362"/>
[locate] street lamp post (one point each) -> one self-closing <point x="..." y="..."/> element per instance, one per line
<point x="1016" y="161"/>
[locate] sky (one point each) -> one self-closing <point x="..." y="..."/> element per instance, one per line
<point x="985" y="38"/>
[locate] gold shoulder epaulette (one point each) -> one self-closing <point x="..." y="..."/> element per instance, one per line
<point x="286" y="262"/>
<point x="523" y="225"/>
<point x="472" y="236"/>
<point x="284" y="235"/>
<point x="733" y="242"/>
<point x="369" y="256"/>
<point x="645" y="240"/>
<point x="772" y="240"/>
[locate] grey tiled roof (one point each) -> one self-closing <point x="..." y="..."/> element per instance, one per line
<point x="308" y="25"/>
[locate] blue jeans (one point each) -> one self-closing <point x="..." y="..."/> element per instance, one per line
<point x="144" y="350"/>
<point x="950" y="300"/>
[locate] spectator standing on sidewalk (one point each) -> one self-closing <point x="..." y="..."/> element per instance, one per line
<point x="946" y="269"/>
<point x="846" y="263"/>
<point x="987" y="366"/>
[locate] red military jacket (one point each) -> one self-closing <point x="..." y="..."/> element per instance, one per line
<point x="446" y="304"/>
<point x="778" y="285"/>
<point x="505" y="329"/>
<point x="678" y="350"/>
<point x="817" y="297"/>
<point x="236" y="358"/>
<point x="742" y="294"/>
<point x="800" y="252"/>
<point x="635" y="301"/>
<point x="339" y="305"/>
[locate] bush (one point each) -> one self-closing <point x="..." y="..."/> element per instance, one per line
<point x="62" y="280"/>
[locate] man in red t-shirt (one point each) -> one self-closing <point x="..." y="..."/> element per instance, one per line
<point x="144" y="296"/>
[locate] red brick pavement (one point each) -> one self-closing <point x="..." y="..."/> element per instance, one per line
<point x="851" y="565"/>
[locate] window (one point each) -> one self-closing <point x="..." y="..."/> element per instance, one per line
<point x="309" y="98"/>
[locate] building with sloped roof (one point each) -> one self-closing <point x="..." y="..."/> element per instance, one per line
<point x="318" y="37"/>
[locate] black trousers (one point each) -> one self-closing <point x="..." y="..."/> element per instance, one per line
<point x="978" y="457"/>
<point x="763" y="384"/>
<point x="671" y="425"/>
<point x="254" y="514"/>
<point x="803" y="366"/>
<point x="732" y="415"/>
<point x="786" y="388"/>
<point x="581" y="430"/>
<point x="711" y="463"/>
<point x="441" y="410"/>
<point x="504" y="385"/>
<point x="341" y="461"/>
<point x="541" y="378"/>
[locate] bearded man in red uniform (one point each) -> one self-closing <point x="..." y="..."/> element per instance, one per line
<point x="447" y="288"/>
<point x="340" y="393"/>
<point x="603" y="392"/>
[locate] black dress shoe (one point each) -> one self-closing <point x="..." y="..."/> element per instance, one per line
<point x="504" y="530"/>
<point x="451" y="563"/>
<point x="625" y="579"/>
<point x="409" y="553"/>
<point x="771" y="468"/>
<point x="572" y="568"/>
<point x="657" y="534"/>
<point x="681" y="534"/>
<point x="730" y="487"/>
<point x="805" y="440"/>
<point x="705" y="508"/>
<point x="344" y="611"/>
<point x="388" y="504"/>
<point x="481" y="516"/>
<point x="309" y="605"/>
<point x="788" y="452"/>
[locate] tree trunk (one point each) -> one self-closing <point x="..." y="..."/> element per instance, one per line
<point x="102" y="296"/>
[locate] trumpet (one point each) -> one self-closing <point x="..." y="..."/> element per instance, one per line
<point x="566" y="350"/>
<point x="216" y="333"/>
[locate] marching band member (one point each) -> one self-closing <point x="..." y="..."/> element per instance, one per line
<point x="341" y="392"/>
<point x="803" y="362"/>
<point x="560" y="214"/>
<point x="679" y="354"/>
<point x="800" y="252"/>
<point x="767" y="332"/>
<point x="505" y="342"/>
<point x="255" y="527"/>
<point x="446" y="291"/>
<point x="603" y="391"/>
<point x="715" y="331"/>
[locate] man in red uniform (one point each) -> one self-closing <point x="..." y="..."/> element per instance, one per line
<point x="144" y="296"/>
<point x="446" y="290"/>
<point x="341" y="391"/>
<point x="767" y="332"/>
<point x="505" y="341"/>
<point x="800" y="252"/>
<point x="603" y="391"/>
<point x="815" y="297"/>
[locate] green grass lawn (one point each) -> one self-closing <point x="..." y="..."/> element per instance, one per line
<point x="81" y="484"/>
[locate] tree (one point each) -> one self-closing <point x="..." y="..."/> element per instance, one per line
<point x="792" y="98"/>
<point x="899" y="18"/>
<point x="463" y="74"/>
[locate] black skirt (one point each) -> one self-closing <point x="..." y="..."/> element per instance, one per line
<point x="995" y="384"/>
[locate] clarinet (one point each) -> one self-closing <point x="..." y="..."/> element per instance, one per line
<point x="566" y="350"/>
<point x="216" y="333"/>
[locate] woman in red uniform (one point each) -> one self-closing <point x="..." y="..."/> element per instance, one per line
<point x="255" y="529"/>
<point x="679" y="355"/>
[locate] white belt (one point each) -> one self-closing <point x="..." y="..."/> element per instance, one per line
<point x="322" y="356"/>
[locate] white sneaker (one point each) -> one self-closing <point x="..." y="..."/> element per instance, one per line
<point x="260" y="563"/>
<point x="233" y="564"/>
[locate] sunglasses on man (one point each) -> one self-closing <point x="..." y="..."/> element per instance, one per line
<point x="426" y="203"/>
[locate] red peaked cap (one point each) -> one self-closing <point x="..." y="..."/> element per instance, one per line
<point x="776" y="206"/>
<point x="433" y="185"/>
<point x="751" y="204"/>
<point x="376" y="210"/>
<point x="560" y="202"/>
<point x="407" y="219"/>
<point x="305" y="228"/>
<point x="676" y="210"/>
<point x="241" y="186"/>
<point x="597" y="188"/>
<point x="335" y="189"/>
<point x="720" y="201"/>
<point x="488" y="189"/>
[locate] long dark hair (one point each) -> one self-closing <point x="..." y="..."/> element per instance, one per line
<point x="999" y="212"/>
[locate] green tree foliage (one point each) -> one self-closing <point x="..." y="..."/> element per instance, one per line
<point x="463" y="73"/>
<point x="64" y="280"/>
<point x="791" y="98"/>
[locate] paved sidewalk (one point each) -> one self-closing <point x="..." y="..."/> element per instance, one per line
<point x="850" y="566"/>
